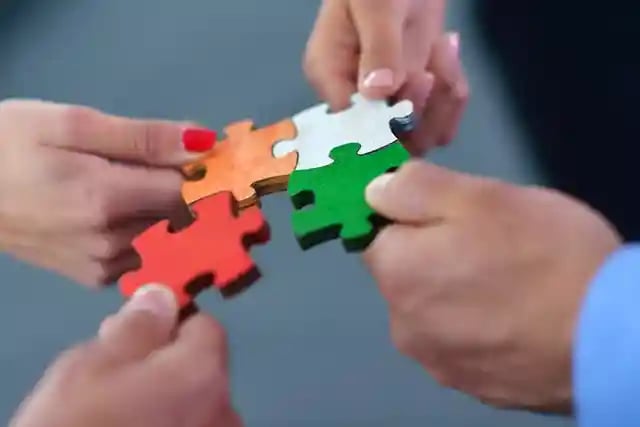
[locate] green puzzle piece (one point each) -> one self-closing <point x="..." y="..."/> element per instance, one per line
<point x="336" y="193"/>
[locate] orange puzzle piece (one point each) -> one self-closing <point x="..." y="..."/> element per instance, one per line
<point x="243" y="163"/>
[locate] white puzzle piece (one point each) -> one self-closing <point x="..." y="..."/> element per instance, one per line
<point x="319" y="130"/>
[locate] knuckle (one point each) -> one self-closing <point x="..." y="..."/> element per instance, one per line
<point x="411" y="171"/>
<point x="461" y="93"/>
<point x="493" y="194"/>
<point x="105" y="246"/>
<point x="73" y="361"/>
<point x="84" y="278"/>
<point x="99" y="273"/>
<point x="391" y="266"/>
<point x="214" y="338"/>
<point x="204" y="377"/>
<point x="443" y="378"/>
<point x="77" y="122"/>
<point x="95" y="198"/>
<point x="310" y="67"/>
<point x="383" y="260"/>
<point x="402" y="339"/>
<point x="144" y="138"/>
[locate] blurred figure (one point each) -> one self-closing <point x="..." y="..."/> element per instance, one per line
<point x="141" y="369"/>
<point x="573" y="73"/>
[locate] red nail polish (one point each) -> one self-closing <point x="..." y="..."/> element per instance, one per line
<point x="198" y="140"/>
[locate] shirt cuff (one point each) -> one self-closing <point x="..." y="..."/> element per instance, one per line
<point x="606" y="365"/>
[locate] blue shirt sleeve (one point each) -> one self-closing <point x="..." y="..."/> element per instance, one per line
<point x="606" y="359"/>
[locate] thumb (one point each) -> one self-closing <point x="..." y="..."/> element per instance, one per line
<point x="418" y="192"/>
<point x="144" y="324"/>
<point x="380" y="29"/>
<point x="152" y="142"/>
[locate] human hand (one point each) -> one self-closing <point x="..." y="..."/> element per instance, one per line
<point x="139" y="371"/>
<point x="390" y="49"/>
<point x="484" y="280"/>
<point x="77" y="184"/>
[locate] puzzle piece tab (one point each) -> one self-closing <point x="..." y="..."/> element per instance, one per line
<point x="243" y="163"/>
<point x="366" y="122"/>
<point x="213" y="250"/>
<point x="336" y="193"/>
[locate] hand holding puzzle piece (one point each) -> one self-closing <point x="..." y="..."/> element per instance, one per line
<point x="320" y="157"/>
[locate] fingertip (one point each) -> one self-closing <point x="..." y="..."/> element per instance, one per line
<point x="154" y="298"/>
<point x="339" y="102"/>
<point x="336" y="92"/>
<point x="376" y="190"/>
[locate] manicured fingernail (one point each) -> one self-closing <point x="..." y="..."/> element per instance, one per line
<point x="454" y="41"/>
<point x="198" y="140"/>
<point x="154" y="298"/>
<point x="378" y="78"/>
<point x="377" y="186"/>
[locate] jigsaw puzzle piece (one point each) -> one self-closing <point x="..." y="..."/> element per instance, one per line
<point x="314" y="227"/>
<point x="370" y="123"/>
<point x="243" y="163"/>
<point x="213" y="250"/>
<point x="330" y="201"/>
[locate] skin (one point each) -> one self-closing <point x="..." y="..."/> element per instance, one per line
<point x="390" y="49"/>
<point x="140" y="370"/>
<point x="484" y="280"/>
<point x="82" y="184"/>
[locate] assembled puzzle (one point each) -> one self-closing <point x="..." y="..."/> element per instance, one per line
<point x="322" y="159"/>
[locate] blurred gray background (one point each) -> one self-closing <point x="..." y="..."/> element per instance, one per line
<point x="309" y="342"/>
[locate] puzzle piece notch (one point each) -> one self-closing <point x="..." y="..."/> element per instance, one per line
<point x="213" y="250"/>
<point x="371" y="123"/>
<point x="330" y="201"/>
<point x="243" y="163"/>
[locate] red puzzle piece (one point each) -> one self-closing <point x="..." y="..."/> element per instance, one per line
<point x="211" y="251"/>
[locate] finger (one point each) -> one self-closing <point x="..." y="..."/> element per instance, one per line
<point x="380" y="25"/>
<point x="417" y="89"/>
<point x="443" y="112"/>
<point x="98" y="273"/>
<point x="392" y="265"/>
<point x="330" y="60"/>
<point x="204" y="338"/>
<point x="197" y="356"/>
<point x="418" y="193"/>
<point x="124" y="193"/>
<point x="144" y="324"/>
<point x="153" y="142"/>
<point x="108" y="244"/>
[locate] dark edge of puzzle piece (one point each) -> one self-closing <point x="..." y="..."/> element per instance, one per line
<point x="332" y="232"/>
<point x="204" y="281"/>
<point x="403" y="125"/>
<point x="200" y="283"/>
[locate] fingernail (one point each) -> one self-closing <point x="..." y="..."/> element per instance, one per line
<point x="154" y="298"/>
<point x="378" y="78"/>
<point x="376" y="188"/>
<point x="198" y="140"/>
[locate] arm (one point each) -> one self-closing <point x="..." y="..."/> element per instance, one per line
<point x="607" y="347"/>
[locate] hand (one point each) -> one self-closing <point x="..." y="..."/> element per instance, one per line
<point x="77" y="185"/>
<point x="390" y="49"/>
<point x="139" y="371"/>
<point x="484" y="280"/>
